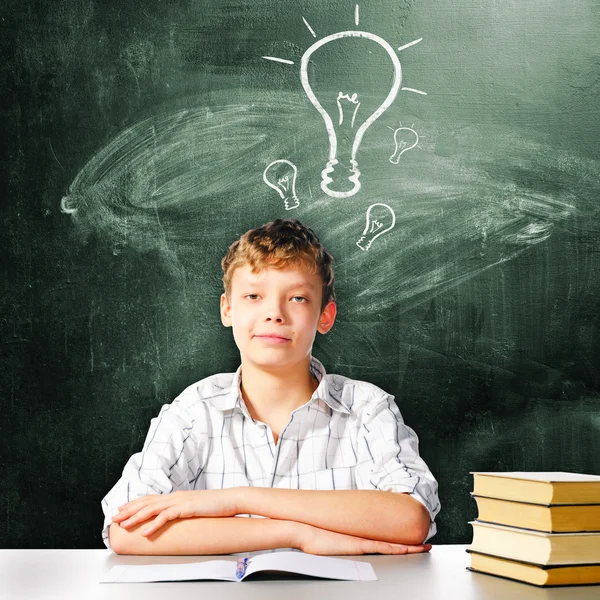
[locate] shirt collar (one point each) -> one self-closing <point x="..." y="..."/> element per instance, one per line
<point x="223" y="399"/>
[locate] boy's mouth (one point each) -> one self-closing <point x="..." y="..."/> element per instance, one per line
<point x="272" y="338"/>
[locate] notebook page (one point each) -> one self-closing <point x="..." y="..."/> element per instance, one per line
<point x="327" y="567"/>
<point x="211" y="569"/>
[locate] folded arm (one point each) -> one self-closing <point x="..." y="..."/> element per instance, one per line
<point x="373" y="514"/>
<point x="205" y="536"/>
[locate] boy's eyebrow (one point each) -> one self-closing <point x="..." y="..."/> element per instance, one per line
<point x="301" y="284"/>
<point x="293" y="284"/>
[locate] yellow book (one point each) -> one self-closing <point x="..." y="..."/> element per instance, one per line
<point x="535" y="574"/>
<point x="536" y="547"/>
<point x="547" y="487"/>
<point x="555" y="518"/>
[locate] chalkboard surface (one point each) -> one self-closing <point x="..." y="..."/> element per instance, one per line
<point x="456" y="183"/>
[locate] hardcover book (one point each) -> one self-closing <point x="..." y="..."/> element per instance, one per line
<point x="535" y="546"/>
<point x="541" y="575"/>
<point x="547" y="487"/>
<point x="555" y="518"/>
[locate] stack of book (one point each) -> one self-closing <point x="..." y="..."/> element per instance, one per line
<point x="539" y="528"/>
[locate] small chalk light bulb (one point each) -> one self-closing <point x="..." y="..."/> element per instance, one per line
<point x="405" y="139"/>
<point x="281" y="176"/>
<point x="380" y="219"/>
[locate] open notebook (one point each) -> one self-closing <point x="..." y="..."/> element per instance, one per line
<point x="326" y="567"/>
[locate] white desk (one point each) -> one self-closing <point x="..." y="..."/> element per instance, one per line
<point x="440" y="574"/>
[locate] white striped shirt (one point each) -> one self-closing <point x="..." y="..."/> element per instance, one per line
<point x="349" y="435"/>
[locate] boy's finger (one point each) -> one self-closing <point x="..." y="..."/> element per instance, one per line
<point x="125" y="513"/>
<point x="155" y="526"/>
<point x="134" y="506"/>
<point x="142" y="515"/>
<point x="420" y="548"/>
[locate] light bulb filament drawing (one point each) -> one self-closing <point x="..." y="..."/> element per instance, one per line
<point x="281" y="176"/>
<point x="375" y="225"/>
<point x="405" y="138"/>
<point x="352" y="99"/>
<point x="381" y="218"/>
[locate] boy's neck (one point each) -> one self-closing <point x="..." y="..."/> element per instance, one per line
<point x="271" y="396"/>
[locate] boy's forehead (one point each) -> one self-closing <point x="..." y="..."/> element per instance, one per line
<point x="295" y="274"/>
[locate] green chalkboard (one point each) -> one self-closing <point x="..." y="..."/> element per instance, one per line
<point x="456" y="183"/>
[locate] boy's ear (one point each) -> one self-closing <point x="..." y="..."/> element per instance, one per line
<point x="225" y="311"/>
<point x="327" y="317"/>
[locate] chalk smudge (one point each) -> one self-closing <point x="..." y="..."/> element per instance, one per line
<point x="178" y="182"/>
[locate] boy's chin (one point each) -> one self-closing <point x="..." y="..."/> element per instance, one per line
<point x="274" y="363"/>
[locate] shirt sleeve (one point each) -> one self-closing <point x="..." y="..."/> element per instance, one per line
<point x="168" y="461"/>
<point x="388" y="458"/>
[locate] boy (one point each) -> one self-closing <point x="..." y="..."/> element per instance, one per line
<point x="325" y="462"/>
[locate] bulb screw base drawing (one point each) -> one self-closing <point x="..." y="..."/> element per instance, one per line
<point x="292" y="202"/>
<point x="352" y="178"/>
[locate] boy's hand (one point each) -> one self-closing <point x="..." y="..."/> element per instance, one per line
<point x="314" y="540"/>
<point x="177" y="505"/>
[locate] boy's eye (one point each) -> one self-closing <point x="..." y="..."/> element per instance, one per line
<point x="252" y="296"/>
<point x="299" y="299"/>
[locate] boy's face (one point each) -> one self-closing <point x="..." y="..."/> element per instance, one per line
<point x="275" y="315"/>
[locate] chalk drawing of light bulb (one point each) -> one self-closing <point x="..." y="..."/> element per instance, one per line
<point x="380" y="219"/>
<point x="405" y="139"/>
<point x="331" y="181"/>
<point x="281" y="176"/>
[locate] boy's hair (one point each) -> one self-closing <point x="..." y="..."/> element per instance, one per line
<point x="281" y="244"/>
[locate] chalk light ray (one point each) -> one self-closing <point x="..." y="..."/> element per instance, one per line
<point x="409" y="44"/>
<point x="281" y="60"/>
<point x="309" y="27"/>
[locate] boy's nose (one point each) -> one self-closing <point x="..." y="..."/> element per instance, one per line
<point x="276" y="319"/>
<point x="274" y="313"/>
